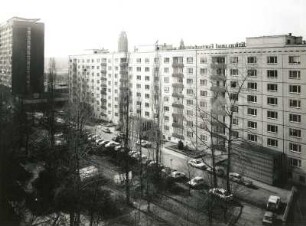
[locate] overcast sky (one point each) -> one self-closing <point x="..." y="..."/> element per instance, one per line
<point x="74" y="25"/>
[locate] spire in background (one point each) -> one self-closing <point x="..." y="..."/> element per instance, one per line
<point x="123" y="42"/>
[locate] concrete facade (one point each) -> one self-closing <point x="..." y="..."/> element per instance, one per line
<point x="270" y="105"/>
<point x="22" y="55"/>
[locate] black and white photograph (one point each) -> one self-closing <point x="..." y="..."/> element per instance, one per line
<point x="152" y="113"/>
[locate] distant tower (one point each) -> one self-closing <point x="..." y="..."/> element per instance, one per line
<point x="123" y="42"/>
<point x="182" y="45"/>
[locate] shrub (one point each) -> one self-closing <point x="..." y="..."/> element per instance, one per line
<point x="180" y="145"/>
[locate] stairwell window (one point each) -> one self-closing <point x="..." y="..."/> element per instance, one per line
<point x="252" y="137"/>
<point x="234" y="72"/>
<point x="294" y="74"/>
<point x="272" y="73"/>
<point x="295" y="147"/>
<point x="272" y="60"/>
<point x="295" y="162"/>
<point x="272" y="87"/>
<point x="203" y="60"/>
<point x="295" y="132"/>
<point x="252" y="111"/>
<point x="272" y="100"/>
<point x="272" y="114"/>
<point x="233" y="60"/>
<point x="203" y="71"/>
<point x="203" y="93"/>
<point x="272" y="128"/>
<point x="296" y="89"/>
<point x="189" y="60"/>
<point x="294" y="103"/>
<point x="189" y="91"/>
<point x="294" y="118"/>
<point x="252" y="85"/>
<point x="252" y="60"/>
<point x="272" y="142"/>
<point x="252" y="73"/>
<point x="252" y="125"/>
<point x="166" y="60"/>
<point x="252" y="99"/>
<point x="294" y="59"/>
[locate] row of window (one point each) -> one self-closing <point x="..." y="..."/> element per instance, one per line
<point x="270" y="60"/>
<point x="293" y="147"/>
<point x="273" y="101"/>
<point x="274" y="115"/>
<point x="293" y="74"/>
<point x="272" y="87"/>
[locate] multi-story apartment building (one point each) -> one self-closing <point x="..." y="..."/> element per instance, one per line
<point x="22" y="55"/>
<point x="269" y="112"/>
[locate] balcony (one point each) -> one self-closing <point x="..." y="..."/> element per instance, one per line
<point x="179" y="95"/>
<point x="177" y="115"/>
<point x="218" y="89"/>
<point x="178" y="105"/>
<point x="103" y="71"/>
<point x="177" y="125"/>
<point x="177" y="64"/>
<point x="123" y="72"/>
<point x="179" y="136"/>
<point x="218" y="65"/>
<point x="124" y="64"/>
<point x="216" y="77"/>
<point x="178" y="75"/>
<point x="178" y="85"/>
<point x="103" y="64"/>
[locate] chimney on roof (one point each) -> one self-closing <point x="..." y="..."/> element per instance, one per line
<point x="290" y="34"/>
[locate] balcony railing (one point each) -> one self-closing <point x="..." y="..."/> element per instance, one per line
<point x="217" y="77"/>
<point x="103" y="64"/>
<point x="218" y="65"/>
<point x="177" y="115"/>
<point x="178" y="105"/>
<point x="180" y="95"/>
<point x="178" y="85"/>
<point x="219" y="89"/>
<point x="177" y="125"/>
<point x="179" y="136"/>
<point x="103" y="71"/>
<point x="177" y="64"/>
<point x="177" y="75"/>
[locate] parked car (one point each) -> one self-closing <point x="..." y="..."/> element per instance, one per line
<point x="247" y="183"/>
<point x="177" y="175"/>
<point x="106" y="130"/>
<point x="197" y="163"/>
<point x="105" y="142"/>
<point x="221" y="193"/>
<point x="236" y="177"/>
<point x="146" y="144"/>
<point x="268" y="218"/>
<point x="274" y="202"/>
<point x="196" y="182"/>
<point x="99" y="141"/>
<point x="111" y="144"/>
<point x="118" y="148"/>
<point x="219" y="170"/>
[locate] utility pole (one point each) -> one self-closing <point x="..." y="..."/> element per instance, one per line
<point x="156" y="103"/>
<point x="124" y="116"/>
<point x="140" y="146"/>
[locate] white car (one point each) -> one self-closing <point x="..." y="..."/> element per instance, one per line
<point x="103" y="143"/>
<point x="236" y="177"/>
<point x="221" y="193"/>
<point x="99" y="141"/>
<point x="196" y="181"/>
<point x="118" y="148"/>
<point x="177" y="175"/>
<point x="106" y="130"/>
<point x="273" y="203"/>
<point x="197" y="163"/>
<point x="111" y="144"/>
